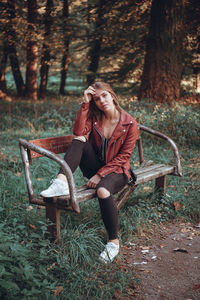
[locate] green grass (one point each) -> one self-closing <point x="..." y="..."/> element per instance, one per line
<point x="30" y="267"/>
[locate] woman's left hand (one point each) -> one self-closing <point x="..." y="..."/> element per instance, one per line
<point x="94" y="180"/>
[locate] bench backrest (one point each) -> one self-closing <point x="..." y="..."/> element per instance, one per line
<point x="54" y="144"/>
<point x="59" y="145"/>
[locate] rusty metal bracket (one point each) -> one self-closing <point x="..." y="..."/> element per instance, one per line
<point x="24" y="146"/>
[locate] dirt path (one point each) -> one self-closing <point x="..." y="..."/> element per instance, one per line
<point x="167" y="262"/>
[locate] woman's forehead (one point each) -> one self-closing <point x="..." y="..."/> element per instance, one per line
<point x="99" y="92"/>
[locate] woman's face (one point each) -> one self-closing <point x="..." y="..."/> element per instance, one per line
<point x="103" y="100"/>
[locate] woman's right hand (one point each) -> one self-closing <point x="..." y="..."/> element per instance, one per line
<point x="88" y="93"/>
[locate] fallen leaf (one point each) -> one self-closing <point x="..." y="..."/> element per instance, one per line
<point x="147" y="189"/>
<point x="117" y="294"/>
<point x="144" y="247"/>
<point x="135" y="285"/>
<point x="196" y="286"/>
<point x="29" y="208"/>
<point x="52" y="266"/>
<point x="130" y="292"/>
<point x="177" y="205"/>
<point x="57" y="291"/>
<point x="171" y="186"/>
<point x="39" y="179"/>
<point x="185" y="230"/>
<point x="18" y="174"/>
<point x="32" y="226"/>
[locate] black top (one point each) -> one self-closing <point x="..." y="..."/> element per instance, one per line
<point x="103" y="149"/>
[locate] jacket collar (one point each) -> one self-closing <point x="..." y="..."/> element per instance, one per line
<point x="125" y="119"/>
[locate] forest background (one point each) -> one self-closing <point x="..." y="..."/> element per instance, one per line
<point x="149" y="48"/>
<point x="49" y="52"/>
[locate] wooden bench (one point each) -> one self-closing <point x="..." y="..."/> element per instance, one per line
<point x="51" y="147"/>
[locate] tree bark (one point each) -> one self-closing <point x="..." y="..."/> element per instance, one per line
<point x="45" y="59"/>
<point x="95" y="46"/>
<point x="3" y="70"/>
<point x="32" y="51"/>
<point x="10" y="42"/>
<point x="163" y="61"/>
<point x="65" y="58"/>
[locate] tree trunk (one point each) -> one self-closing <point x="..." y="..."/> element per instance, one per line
<point x="45" y="59"/>
<point x="95" y="47"/>
<point x="3" y="70"/>
<point x="65" y="58"/>
<point x="163" y="61"/>
<point x="32" y="51"/>
<point x="10" y="42"/>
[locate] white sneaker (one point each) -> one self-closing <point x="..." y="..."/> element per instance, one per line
<point x="57" y="188"/>
<point x="109" y="253"/>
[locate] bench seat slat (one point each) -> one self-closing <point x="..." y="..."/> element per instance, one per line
<point x="147" y="168"/>
<point x="82" y="195"/>
<point x="143" y="175"/>
<point x="155" y="173"/>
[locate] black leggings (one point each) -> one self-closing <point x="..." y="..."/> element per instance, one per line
<point x="82" y="154"/>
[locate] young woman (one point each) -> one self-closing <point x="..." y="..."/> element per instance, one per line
<point x="105" y="138"/>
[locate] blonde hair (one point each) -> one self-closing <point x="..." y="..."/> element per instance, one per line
<point x="94" y="111"/>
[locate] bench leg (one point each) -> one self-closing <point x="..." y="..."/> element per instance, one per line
<point x="160" y="184"/>
<point x="124" y="195"/>
<point x="53" y="221"/>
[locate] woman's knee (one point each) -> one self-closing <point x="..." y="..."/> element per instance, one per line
<point x="102" y="193"/>
<point x="80" y="138"/>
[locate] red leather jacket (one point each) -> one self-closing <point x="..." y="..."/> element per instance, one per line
<point x="120" y="146"/>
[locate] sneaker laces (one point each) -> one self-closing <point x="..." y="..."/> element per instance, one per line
<point x="54" y="183"/>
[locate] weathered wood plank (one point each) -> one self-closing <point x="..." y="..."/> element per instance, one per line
<point x="53" y="221"/>
<point x="142" y="170"/>
<point x="160" y="184"/>
<point x="147" y="176"/>
<point x="56" y="145"/>
<point x="84" y="194"/>
<point x="123" y="196"/>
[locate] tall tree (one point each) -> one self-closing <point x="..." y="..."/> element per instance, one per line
<point x="32" y="51"/>
<point x="95" y="44"/>
<point x="3" y="62"/>
<point x="192" y="49"/>
<point x="10" y="48"/>
<point x="66" y="37"/>
<point x="163" y="61"/>
<point x="45" y="55"/>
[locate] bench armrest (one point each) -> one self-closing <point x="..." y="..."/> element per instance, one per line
<point x="72" y="189"/>
<point x="172" y="144"/>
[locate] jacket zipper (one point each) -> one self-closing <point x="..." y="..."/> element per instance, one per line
<point x="98" y="132"/>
